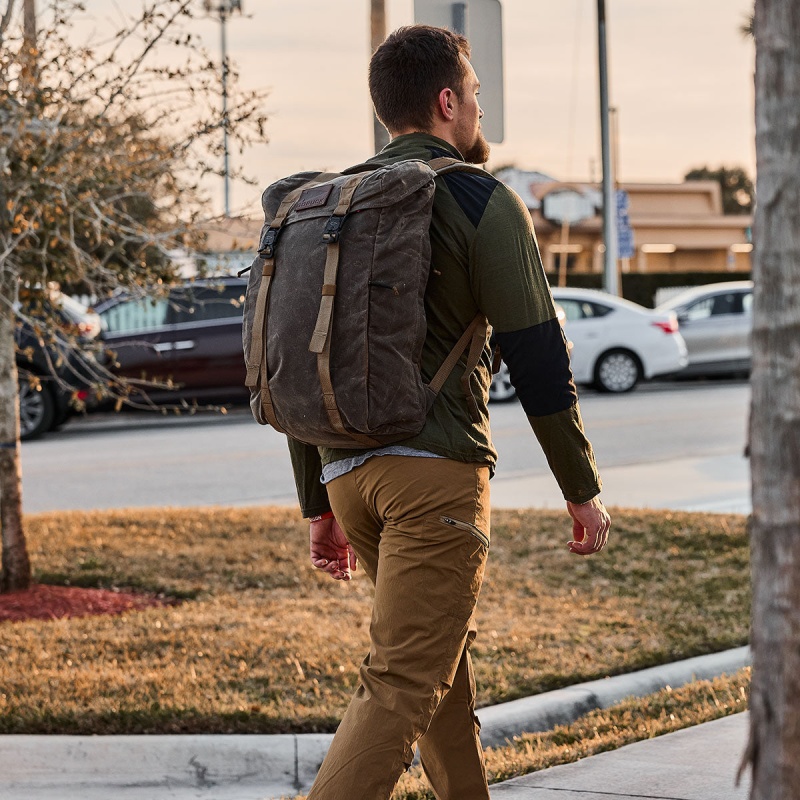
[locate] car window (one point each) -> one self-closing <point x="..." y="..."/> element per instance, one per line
<point x="205" y="303"/>
<point x="582" y="309"/>
<point x="136" y="315"/>
<point x="715" y="305"/>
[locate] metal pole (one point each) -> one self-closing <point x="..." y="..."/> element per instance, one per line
<point x="223" y="17"/>
<point x="460" y="19"/>
<point x="610" y="280"/>
<point x="378" y="34"/>
<point x="30" y="44"/>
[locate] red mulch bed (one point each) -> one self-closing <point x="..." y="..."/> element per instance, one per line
<point x="55" y="602"/>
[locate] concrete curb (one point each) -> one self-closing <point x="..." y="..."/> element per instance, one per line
<point x="252" y="767"/>
<point x="544" y="711"/>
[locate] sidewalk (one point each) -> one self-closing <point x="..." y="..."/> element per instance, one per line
<point x="264" y="767"/>
<point x="693" y="764"/>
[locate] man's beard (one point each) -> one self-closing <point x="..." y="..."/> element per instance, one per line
<point x="478" y="151"/>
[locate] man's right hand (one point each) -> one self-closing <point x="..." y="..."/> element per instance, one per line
<point x="590" y="527"/>
<point x="330" y="551"/>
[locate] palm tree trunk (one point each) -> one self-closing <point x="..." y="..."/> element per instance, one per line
<point x="774" y="749"/>
<point x="16" y="573"/>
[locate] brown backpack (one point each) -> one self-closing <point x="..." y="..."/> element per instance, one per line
<point x="334" y="315"/>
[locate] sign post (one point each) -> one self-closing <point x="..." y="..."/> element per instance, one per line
<point x="481" y="21"/>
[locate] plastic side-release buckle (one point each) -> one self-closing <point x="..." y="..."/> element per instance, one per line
<point x="267" y="249"/>
<point x="333" y="229"/>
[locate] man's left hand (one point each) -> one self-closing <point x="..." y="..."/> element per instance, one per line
<point x="590" y="527"/>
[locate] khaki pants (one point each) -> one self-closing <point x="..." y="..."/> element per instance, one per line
<point x="420" y="528"/>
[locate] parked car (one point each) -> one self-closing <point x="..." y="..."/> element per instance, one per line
<point x="616" y="343"/>
<point x="51" y="375"/>
<point x="715" y="321"/>
<point x="191" y="337"/>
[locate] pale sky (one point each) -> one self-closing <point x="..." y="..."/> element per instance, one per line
<point x="680" y="75"/>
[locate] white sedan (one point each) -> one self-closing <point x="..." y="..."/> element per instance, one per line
<point x="616" y="343"/>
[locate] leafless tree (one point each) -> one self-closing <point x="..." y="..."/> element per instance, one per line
<point x="103" y="151"/>
<point x="774" y="747"/>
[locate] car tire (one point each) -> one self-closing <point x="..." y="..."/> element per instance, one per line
<point x="617" y="372"/>
<point x="37" y="409"/>
<point x="500" y="389"/>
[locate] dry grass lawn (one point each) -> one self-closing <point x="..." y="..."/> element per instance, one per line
<point x="263" y="643"/>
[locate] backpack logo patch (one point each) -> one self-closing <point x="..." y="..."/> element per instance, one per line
<point x="314" y="198"/>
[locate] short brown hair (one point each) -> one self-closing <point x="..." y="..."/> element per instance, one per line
<point x="408" y="71"/>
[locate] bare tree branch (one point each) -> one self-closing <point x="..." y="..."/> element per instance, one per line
<point x="5" y="21"/>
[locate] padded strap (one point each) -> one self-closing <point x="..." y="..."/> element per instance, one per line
<point x="443" y="165"/>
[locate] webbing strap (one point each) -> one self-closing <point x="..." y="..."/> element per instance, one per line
<point x="473" y="357"/>
<point x="329" y="399"/>
<point x="325" y="316"/>
<point x="257" y="332"/>
<point x="288" y="202"/>
<point x="321" y="338"/>
<point x="448" y="365"/>
<point x="257" y="372"/>
<point x="257" y="364"/>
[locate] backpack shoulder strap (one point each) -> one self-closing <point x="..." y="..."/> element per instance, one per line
<point x="445" y="164"/>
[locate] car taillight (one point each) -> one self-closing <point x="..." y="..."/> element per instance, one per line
<point x="667" y="325"/>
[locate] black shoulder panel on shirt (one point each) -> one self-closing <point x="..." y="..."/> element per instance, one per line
<point x="470" y="191"/>
<point x="538" y="365"/>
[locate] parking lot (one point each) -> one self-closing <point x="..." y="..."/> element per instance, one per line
<point x="665" y="445"/>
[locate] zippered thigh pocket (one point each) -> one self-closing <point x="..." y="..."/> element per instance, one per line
<point x="466" y="526"/>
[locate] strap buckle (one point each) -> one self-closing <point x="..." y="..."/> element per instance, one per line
<point x="333" y="228"/>
<point x="267" y="249"/>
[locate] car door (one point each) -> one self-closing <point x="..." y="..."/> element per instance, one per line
<point x="716" y="328"/>
<point x="585" y="328"/>
<point x="138" y="332"/>
<point x="206" y="355"/>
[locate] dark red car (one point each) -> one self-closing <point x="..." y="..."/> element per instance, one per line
<point x="191" y="336"/>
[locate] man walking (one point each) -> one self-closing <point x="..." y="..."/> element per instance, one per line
<point x="416" y="513"/>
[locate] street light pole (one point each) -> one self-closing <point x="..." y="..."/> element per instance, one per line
<point x="377" y="25"/>
<point x="225" y="8"/>
<point x="610" y="279"/>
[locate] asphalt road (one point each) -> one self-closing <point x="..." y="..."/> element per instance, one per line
<point x="665" y="445"/>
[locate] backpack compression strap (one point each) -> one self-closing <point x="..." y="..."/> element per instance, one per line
<point x="321" y="338"/>
<point x="257" y="375"/>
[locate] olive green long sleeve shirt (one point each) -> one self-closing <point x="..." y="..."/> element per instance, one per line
<point x="485" y="259"/>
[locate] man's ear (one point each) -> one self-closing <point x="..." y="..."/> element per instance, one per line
<point x="445" y="104"/>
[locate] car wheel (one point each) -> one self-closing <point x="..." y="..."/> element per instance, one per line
<point x="36" y="409"/>
<point x="501" y="390"/>
<point x="617" y="371"/>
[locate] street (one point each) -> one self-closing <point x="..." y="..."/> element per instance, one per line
<point x="665" y="445"/>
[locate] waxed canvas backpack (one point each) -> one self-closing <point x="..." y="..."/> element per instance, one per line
<point x="334" y="315"/>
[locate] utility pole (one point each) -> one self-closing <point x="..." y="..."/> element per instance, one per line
<point x="29" y="39"/>
<point x="225" y="8"/>
<point x="610" y="278"/>
<point x="378" y="34"/>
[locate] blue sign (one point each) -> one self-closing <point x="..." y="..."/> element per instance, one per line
<point x="625" y="245"/>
